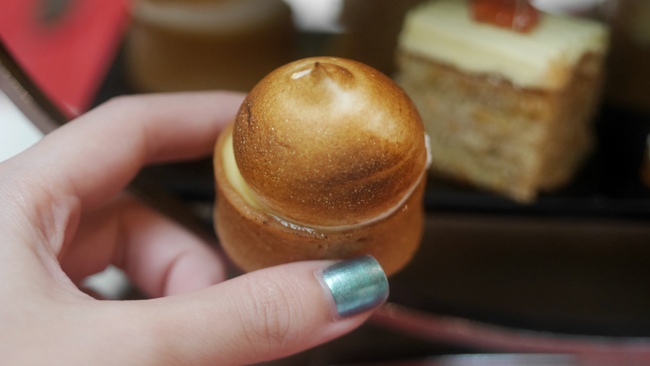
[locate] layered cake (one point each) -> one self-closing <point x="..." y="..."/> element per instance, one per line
<point x="507" y="104"/>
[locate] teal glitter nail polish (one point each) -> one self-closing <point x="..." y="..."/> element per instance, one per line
<point x="357" y="285"/>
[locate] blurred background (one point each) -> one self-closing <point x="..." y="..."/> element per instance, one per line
<point x="567" y="273"/>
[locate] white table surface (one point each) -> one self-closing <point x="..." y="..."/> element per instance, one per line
<point x="16" y="132"/>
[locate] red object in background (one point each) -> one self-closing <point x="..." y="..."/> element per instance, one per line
<point x="65" y="46"/>
<point x="517" y="15"/>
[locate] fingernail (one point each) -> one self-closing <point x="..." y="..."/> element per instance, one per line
<point x="357" y="285"/>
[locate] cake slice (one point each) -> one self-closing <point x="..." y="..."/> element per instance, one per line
<point x="506" y="111"/>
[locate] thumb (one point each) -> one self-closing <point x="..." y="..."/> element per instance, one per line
<point x="267" y="314"/>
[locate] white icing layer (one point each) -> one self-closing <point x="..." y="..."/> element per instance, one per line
<point x="234" y="176"/>
<point x="445" y="31"/>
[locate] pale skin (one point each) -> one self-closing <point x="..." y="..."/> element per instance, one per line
<point x="64" y="216"/>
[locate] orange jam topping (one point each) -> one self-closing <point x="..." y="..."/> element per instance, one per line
<point x="517" y="15"/>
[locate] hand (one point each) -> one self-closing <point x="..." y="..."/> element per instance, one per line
<point x="63" y="217"/>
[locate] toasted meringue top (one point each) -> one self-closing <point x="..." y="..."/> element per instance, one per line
<point x="329" y="142"/>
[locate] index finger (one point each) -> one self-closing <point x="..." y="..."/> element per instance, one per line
<point x="96" y="155"/>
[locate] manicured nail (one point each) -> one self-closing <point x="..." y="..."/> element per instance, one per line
<point x="356" y="285"/>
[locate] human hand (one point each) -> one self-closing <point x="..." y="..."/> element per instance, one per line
<point x="64" y="217"/>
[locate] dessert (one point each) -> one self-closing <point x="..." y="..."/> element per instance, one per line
<point x="508" y="109"/>
<point x="206" y="44"/>
<point x="326" y="159"/>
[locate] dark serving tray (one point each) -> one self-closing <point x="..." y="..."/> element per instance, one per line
<point x="574" y="263"/>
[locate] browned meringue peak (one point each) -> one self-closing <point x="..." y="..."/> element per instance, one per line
<point x="329" y="142"/>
